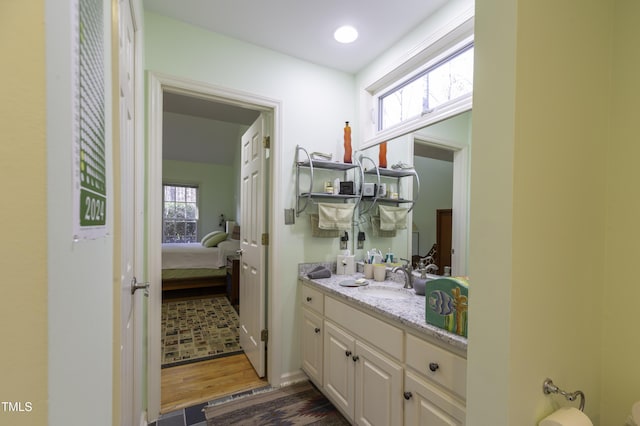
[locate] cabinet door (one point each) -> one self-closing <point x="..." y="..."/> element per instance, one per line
<point x="339" y="377"/>
<point x="378" y="388"/>
<point x="311" y="339"/>
<point x="425" y="405"/>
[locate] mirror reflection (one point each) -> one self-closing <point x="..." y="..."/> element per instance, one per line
<point x="436" y="199"/>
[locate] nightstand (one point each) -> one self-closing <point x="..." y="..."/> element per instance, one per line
<point x="233" y="280"/>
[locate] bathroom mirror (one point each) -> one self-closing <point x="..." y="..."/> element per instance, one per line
<point x="439" y="153"/>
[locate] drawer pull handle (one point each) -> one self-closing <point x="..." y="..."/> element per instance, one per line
<point x="317" y="330"/>
<point x="408" y="395"/>
<point x="433" y="366"/>
<point x="309" y="298"/>
<point x="347" y="353"/>
<point x="355" y="358"/>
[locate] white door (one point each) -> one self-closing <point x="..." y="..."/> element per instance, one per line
<point x="252" y="259"/>
<point x="130" y="398"/>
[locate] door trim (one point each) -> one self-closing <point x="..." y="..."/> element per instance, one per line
<point x="158" y="84"/>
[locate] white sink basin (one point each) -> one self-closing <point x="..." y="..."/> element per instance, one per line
<point x="386" y="292"/>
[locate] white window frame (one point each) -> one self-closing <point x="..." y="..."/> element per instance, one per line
<point x="418" y="74"/>
<point x="433" y="50"/>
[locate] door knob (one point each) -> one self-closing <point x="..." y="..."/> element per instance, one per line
<point x="433" y="366"/>
<point x="355" y="358"/>
<point x="309" y="298"/>
<point x="317" y="330"/>
<point x="347" y="353"/>
<point x="407" y="395"/>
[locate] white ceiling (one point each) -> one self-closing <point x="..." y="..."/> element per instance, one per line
<point x="299" y="28"/>
<point x="304" y="28"/>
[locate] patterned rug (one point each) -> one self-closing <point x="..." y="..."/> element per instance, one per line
<point x="197" y="330"/>
<point x="300" y="404"/>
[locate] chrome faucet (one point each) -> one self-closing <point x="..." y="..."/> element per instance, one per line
<point x="408" y="275"/>
<point x="431" y="267"/>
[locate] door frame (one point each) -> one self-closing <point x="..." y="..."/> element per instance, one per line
<point x="158" y="84"/>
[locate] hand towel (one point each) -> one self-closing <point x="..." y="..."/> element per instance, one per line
<point x="392" y="218"/>
<point x="377" y="232"/>
<point x="335" y="216"/>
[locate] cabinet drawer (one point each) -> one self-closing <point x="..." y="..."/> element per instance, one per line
<point x="378" y="333"/>
<point x="312" y="299"/>
<point x="450" y="369"/>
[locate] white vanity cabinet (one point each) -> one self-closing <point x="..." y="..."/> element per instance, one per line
<point x="434" y="385"/>
<point x="363" y="382"/>
<point x="378" y="371"/>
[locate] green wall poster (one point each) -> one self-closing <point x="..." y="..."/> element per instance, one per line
<point x="90" y="186"/>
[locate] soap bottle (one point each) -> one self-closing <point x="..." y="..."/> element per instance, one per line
<point x="347" y="142"/>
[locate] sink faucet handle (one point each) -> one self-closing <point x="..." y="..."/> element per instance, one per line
<point x="407" y="263"/>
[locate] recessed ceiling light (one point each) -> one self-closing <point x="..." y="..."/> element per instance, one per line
<point x="346" y="34"/>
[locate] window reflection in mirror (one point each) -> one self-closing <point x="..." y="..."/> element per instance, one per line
<point x="436" y="225"/>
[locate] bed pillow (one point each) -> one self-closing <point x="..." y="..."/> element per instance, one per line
<point x="214" y="240"/>
<point x="209" y="235"/>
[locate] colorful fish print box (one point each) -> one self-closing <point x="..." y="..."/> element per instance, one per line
<point x="447" y="302"/>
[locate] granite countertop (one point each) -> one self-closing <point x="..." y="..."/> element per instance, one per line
<point x="409" y="312"/>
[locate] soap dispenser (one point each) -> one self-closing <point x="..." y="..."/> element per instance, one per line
<point x="419" y="284"/>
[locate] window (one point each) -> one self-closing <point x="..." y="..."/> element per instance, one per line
<point x="445" y="81"/>
<point x="180" y="214"/>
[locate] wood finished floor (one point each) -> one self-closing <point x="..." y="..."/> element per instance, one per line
<point x="191" y="384"/>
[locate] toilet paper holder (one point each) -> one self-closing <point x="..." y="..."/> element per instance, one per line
<point x="548" y="387"/>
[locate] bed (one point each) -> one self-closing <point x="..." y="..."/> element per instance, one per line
<point x="190" y="265"/>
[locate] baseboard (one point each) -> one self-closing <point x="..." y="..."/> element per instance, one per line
<point x="292" y="378"/>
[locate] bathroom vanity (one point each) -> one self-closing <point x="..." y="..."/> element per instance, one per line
<point x="371" y="352"/>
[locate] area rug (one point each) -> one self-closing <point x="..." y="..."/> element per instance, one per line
<point x="198" y="330"/>
<point x="300" y="404"/>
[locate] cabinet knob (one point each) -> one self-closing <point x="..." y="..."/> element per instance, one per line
<point x="309" y="298"/>
<point x="317" y="330"/>
<point x="433" y="366"/>
<point x="347" y="353"/>
<point x="407" y="395"/>
<point x="355" y="358"/>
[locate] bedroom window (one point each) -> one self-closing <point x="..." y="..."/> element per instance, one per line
<point x="180" y="214"/>
<point x="443" y="82"/>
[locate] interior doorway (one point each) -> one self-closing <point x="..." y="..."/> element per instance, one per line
<point x="225" y="101"/>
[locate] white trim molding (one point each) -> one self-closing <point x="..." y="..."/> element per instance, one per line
<point x="158" y="84"/>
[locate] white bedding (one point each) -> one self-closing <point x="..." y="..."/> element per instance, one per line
<point x="196" y="256"/>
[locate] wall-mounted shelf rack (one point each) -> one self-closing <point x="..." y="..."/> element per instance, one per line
<point x="303" y="198"/>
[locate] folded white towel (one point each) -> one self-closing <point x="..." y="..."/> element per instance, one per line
<point x="392" y="218"/>
<point x="335" y="216"/>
